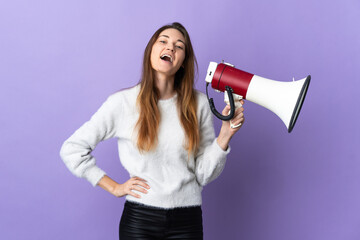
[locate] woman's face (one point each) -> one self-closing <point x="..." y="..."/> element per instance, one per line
<point x="168" y="52"/>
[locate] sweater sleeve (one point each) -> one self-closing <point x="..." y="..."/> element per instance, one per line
<point x="210" y="159"/>
<point x="76" y="150"/>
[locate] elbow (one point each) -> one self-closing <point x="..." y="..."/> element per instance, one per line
<point x="202" y="179"/>
<point x="62" y="152"/>
<point x="205" y="181"/>
<point x="71" y="159"/>
<point x="202" y="183"/>
<point x="66" y="153"/>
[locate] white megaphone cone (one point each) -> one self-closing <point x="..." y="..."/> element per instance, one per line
<point x="283" y="98"/>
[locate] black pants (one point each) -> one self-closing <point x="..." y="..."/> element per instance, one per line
<point x="145" y="222"/>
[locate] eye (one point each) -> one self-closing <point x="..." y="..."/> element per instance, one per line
<point x="162" y="41"/>
<point x="180" y="47"/>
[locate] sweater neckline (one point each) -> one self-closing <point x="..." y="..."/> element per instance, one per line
<point x="168" y="99"/>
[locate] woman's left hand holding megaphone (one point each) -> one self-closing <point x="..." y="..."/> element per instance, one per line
<point x="227" y="132"/>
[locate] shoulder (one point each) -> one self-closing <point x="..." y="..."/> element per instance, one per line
<point x="124" y="96"/>
<point x="119" y="101"/>
<point x="125" y="93"/>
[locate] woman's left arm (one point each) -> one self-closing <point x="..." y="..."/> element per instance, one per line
<point x="211" y="157"/>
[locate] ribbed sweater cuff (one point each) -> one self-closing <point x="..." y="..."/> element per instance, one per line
<point x="220" y="150"/>
<point x="94" y="174"/>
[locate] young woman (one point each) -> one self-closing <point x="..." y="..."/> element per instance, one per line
<point x="166" y="142"/>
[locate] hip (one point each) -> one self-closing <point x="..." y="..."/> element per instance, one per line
<point x="141" y="221"/>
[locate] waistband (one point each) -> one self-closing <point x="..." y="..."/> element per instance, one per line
<point x="144" y="206"/>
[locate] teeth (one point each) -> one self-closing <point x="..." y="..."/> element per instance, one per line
<point x="167" y="55"/>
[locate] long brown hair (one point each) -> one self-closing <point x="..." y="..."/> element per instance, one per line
<point x="149" y="118"/>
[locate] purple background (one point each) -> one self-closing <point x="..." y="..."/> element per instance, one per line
<point x="59" y="60"/>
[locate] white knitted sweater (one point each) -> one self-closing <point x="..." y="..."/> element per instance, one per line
<point x="174" y="180"/>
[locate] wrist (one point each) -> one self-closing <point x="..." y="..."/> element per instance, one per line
<point x="112" y="189"/>
<point x="225" y="134"/>
<point x="223" y="141"/>
<point x="108" y="184"/>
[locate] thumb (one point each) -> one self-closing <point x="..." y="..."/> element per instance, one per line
<point x="226" y="110"/>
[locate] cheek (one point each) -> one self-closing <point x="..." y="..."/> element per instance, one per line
<point x="152" y="60"/>
<point x="153" y="57"/>
<point x="155" y="51"/>
<point x="182" y="58"/>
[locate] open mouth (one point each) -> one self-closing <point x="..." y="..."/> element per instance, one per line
<point x="167" y="58"/>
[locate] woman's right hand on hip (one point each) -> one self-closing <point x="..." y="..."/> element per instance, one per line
<point x="127" y="188"/>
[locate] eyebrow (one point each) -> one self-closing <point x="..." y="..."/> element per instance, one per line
<point x="169" y="37"/>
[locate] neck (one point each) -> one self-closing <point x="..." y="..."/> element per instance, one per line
<point x="165" y="84"/>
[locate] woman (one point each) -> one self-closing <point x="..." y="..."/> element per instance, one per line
<point x="166" y="142"/>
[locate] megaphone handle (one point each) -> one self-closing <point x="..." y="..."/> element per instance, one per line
<point x="237" y="98"/>
<point x="232" y="105"/>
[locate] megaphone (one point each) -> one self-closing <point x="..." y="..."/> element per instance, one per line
<point x="285" y="99"/>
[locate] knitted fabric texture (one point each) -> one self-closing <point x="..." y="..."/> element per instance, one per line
<point x="175" y="179"/>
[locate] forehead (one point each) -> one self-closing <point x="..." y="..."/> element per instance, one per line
<point x="172" y="33"/>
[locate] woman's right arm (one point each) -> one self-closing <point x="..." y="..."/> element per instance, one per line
<point x="76" y="150"/>
<point x="119" y="190"/>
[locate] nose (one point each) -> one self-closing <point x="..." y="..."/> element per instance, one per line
<point x="170" y="47"/>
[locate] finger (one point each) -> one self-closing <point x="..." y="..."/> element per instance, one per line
<point x="138" y="178"/>
<point x="236" y="126"/>
<point x="226" y="111"/>
<point x="237" y="122"/>
<point x="240" y="115"/>
<point x="139" y="181"/>
<point x="140" y="189"/>
<point x="237" y="116"/>
<point x="142" y="184"/>
<point x="134" y="194"/>
<point x="130" y="192"/>
<point x="238" y="111"/>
